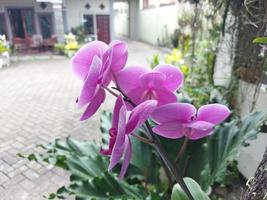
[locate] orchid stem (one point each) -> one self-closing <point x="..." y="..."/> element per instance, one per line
<point x="162" y="153"/>
<point x="145" y="140"/>
<point x="110" y="91"/>
<point x="160" y="149"/>
<point x="181" y="152"/>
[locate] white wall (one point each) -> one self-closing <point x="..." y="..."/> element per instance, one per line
<point x="251" y="156"/>
<point x="121" y="19"/>
<point x="149" y="25"/>
<point x="152" y="23"/>
<point x="76" y="8"/>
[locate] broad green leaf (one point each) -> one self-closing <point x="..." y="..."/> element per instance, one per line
<point x="106" y="187"/>
<point x="261" y="40"/>
<point x="89" y="178"/>
<point x="145" y="160"/>
<point x="224" y="145"/>
<point x="84" y="168"/>
<point x="194" y="188"/>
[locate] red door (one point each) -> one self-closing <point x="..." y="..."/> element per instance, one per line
<point x="103" y="28"/>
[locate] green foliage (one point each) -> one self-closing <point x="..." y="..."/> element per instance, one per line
<point x="225" y="144"/>
<point x="155" y="61"/>
<point x="3" y="47"/>
<point x="79" y="33"/>
<point x="202" y="95"/>
<point x="89" y="177"/>
<point x="59" y="48"/>
<point x="260" y="40"/>
<point x="69" y="47"/>
<point x="212" y="159"/>
<point x="194" y="188"/>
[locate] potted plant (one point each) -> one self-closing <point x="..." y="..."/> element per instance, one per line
<point x="4" y="52"/>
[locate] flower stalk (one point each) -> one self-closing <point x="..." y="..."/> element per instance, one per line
<point x="181" y="152"/>
<point x="160" y="149"/>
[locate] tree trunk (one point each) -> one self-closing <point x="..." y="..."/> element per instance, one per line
<point x="257" y="186"/>
<point x="251" y="23"/>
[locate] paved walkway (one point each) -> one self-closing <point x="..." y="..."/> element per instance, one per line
<point x="37" y="104"/>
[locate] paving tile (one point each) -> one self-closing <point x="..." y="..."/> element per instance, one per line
<point x="27" y="185"/>
<point x="31" y="174"/>
<point x="6" y="168"/>
<point x="10" y="159"/>
<point x="3" y="178"/>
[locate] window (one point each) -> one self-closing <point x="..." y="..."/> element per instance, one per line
<point x="149" y="4"/>
<point x="2" y="25"/>
<point x="46" y="25"/>
<point x="22" y="22"/>
<point x="167" y="2"/>
<point x="88" y="24"/>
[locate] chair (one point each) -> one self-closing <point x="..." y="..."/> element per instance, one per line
<point x="36" y="42"/>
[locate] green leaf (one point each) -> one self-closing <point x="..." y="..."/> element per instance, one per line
<point x="84" y="168"/>
<point x="89" y="178"/>
<point x="194" y="188"/>
<point x="106" y="187"/>
<point x="224" y="145"/>
<point x="261" y="40"/>
<point x="147" y="162"/>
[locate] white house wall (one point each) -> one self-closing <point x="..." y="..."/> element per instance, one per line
<point x="148" y="25"/>
<point x="121" y="17"/>
<point x="76" y="8"/>
<point x="251" y="156"/>
<point x="155" y="22"/>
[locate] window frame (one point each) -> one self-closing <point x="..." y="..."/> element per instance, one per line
<point x="2" y="16"/>
<point x="94" y="23"/>
<point x="53" y="30"/>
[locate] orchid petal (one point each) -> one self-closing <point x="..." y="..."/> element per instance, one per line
<point x="152" y="79"/>
<point x="198" y="129"/>
<point x="164" y="97"/>
<point x="137" y="95"/>
<point x="140" y="114"/>
<point x="128" y="78"/>
<point x="82" y="59"/>
<point x="127" y="157"/>
<point x="213" y="113"/>
<point x="169" y="130"/>
<point x="119" y="55"/>
<point x="90" y="83"/>
<point x="119" y="146"/>
<point x="112" y="140"/>
<point x="106" y="78"/>
<point x="116" y="111"/>
<point x="174" y="76"/>
<point x="95" y="103"/>
<point x="180" y="112"/>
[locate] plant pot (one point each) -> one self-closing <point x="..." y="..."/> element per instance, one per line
<point x="4" y="59"/>
<point x="1" y="62"/>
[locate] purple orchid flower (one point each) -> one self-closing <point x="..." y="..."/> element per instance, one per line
<point x="95" y="63"/>
<point x="119" y="142"/>
<point x="141" y="84"/>
<point x="176" y="120"/>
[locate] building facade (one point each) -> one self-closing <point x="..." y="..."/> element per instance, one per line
<point x="23" y="20"/>
<point x="150" y="21"/>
